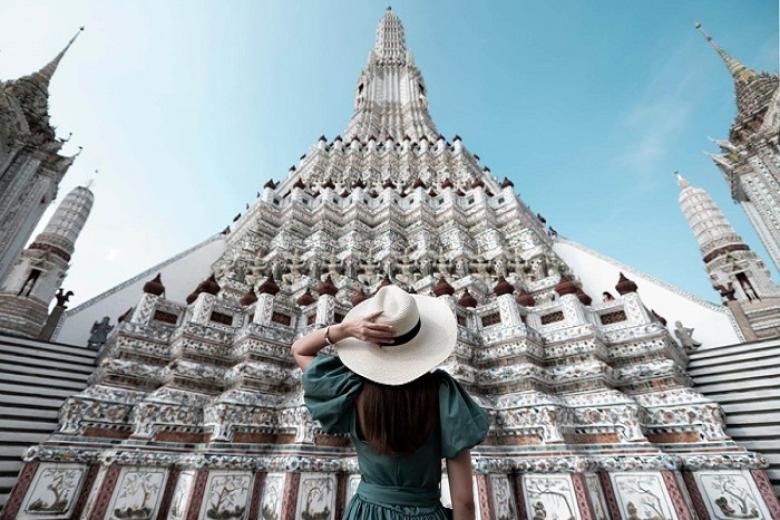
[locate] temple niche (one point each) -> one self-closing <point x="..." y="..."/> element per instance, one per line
<point x="195" y="409"/>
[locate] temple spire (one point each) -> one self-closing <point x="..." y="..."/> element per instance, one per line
<point x="681" y="181"/>
<point x="48" y="70"/>
<point x="737" y="70"/>
<point x="390" y="44"/>
<point x="391" y="99"/>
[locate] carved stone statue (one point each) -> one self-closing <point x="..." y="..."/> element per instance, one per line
<point x="99" y="333"/>
<point x="685" y="337"/>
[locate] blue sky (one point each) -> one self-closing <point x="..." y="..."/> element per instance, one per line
<point x="187" y="108"/>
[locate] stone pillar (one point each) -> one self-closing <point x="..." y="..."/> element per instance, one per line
<point x="326" y="305"/>
<point x="202" y="307"/>
<point x="107" y="486"/>
<point x="11" y="509"/>
<point x="609" y="495"/>
<point x="510" y="314"/>
<point x="51" y="323"/>
<point x="257" y="496"/>
<point x="264" y="308"/>
<point x="767" y="492"/>
<point x="196" y="496"/>
<point x="290" y="496"/>
<point x="695" y="493"/>
<point x="483" y="497"/>
<point x="342" y="480"/>
<point x="583" y="497"/>
<point x="144" y="311"/>
<point x="167" y="496"/>
<point x="516" y="479"/>
<point x="676" y="496"/>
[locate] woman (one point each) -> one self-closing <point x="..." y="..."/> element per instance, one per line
<point x="401" y="416"/>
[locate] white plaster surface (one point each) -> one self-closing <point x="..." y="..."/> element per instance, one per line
<point x="711" y="322"/>
<point x="180" y="275"/>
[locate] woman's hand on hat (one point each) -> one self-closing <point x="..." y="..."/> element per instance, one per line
<point x="368" y="329"/>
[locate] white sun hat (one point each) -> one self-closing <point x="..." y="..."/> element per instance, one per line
<point x="425" y="335"/>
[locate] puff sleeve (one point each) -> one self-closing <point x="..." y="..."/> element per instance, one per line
<point x="329" y="391"/>
<point x="464" y="423"/>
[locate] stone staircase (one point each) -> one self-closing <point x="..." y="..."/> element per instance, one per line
<point x="745" y="380"/>
<point x="35" y="379"/>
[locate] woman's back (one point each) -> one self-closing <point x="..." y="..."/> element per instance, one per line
<point x="401" y="482"/>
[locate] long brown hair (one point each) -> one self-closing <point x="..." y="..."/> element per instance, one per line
<point x="395" y="420"/>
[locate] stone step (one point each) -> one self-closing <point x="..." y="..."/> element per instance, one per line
<point x="16" y="424"/>
<point x="767" y="352"/>
<point x="735" y="366"/>
<point x="751" y="406"/>
<point x="33" y="413"/>
<point x="10" y="466"/>
<point x="771" y="384"/>
<point x="45" y="346"/>
<point x="754" y="431"/>
<point x="26" y="437"/>
<point x="42" y="354"/>
<point x="11" y="369"/>
<point x="741" y="396"/>
<point x="10" y="451"/>
<point x="739" y="348"/>
<point x="43" y="382"/>
<point x="16" y="359"/>
<point x="35" y="391"/>
<point x="772" y="371"/>
<point x="753" y="418"/>
<point x="32" y="402"/>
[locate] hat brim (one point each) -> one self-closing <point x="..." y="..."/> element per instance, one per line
<point x="400" y="364"/>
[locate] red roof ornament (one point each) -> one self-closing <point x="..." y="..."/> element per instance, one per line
<point x="447" y="183"/>
<point x="443" y="287"/>
<point x="388" y="184"/>
<point x="658" y="317"/>
<point x="418" y="183"/>
<point x="525" y="299"/>
<point x="329" y="184"/>
<point x="477" y="183"/>
<point x="507" y="183"/>
<point x="385" y="282"/>
<point x="154" y="286"/>
<point x="208" y="286"/>
<point x="583" y="297"/>
<point x="126" y="316"/>
<point x="249" y="298"/>
<point x="566" y="286"/>
<point x="503" y="287"/>
<point x="268" y="286"/>
<point x="306" y="298"/>
<point x="467" y="300"/>
<point x="625" y="285"/>
<point x="327" y="287"/>
<point x="299" y="184"/>
<point x="270" y="184"/>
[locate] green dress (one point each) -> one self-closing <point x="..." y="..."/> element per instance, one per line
<point x="394" y="487"/>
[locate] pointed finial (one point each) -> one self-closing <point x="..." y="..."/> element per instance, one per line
<point x="91" y="181"/>
<point x="48" y="70"/>
<point x="681" y="180"/>
<point x="737" y="70"/>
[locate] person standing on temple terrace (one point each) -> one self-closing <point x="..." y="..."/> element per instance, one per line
<point x="402" y="416"/>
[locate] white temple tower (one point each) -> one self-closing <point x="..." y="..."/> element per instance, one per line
<point x="750" y="157"/>
<point x="38" y="273"/>
<point x="735" y="271"/>
<point x="31" y="166"/>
